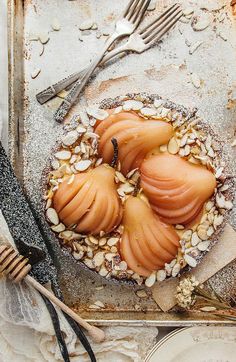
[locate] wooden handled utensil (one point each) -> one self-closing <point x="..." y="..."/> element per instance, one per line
<point x="17" y="267"/>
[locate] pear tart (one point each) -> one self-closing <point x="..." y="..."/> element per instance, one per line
<point x="137" y="189"/>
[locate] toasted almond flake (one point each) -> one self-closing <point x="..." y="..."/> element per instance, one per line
<point x="99" y="304"/>
<point x="173" y="146"/>
<point x="195" y="46"/>
<point x="210" y="231"/>
<point x="94" y="306"/>
<point x="55" y="24"/>
<point x="97" y="113"/>
<point x="112" y="241"/>
<point x="141" y="293"/>
<point x="48" y="204"/>
<point x="86" y="24"/>
<point x="148" y="112"/>
<point x="103" y="271"/>
<point x="184" y="20"/>
<point x="98" y="162"/>
<point x="233" y="144"/>
<point x="120" y="176"/>
<point x="83" y="165"/>
<point x="149" y="282"/>
<point x="158" y="102"/>
<point x="202" y="233"/>
<point x="187" y="235"/>
<point x="211" y="153"/>
<point x="195" y="80"/>
<point x="53" y="182"/>
<point x="78" y="255"/>
<point x="218" y="219"/>
<point x="179" y="227"/>
<point x="113" y="249"/>
<point x="70" y="138"/>
<point x="203" y="245"/>
<point x="200" y="24"/>
<point x="195" y="239"/>
<point x="224" y="188"/>
<point x="58" y="228"/>
<point x="220" y="201"/>
<point x="118" y="109"/>
<point x="228" y="205"/>
<point x="132" y="105"/>
<point x="163" y="148"/>
<point x="67" y="234"/>
<point x="99" y="258"/>
<point x="190" y="261"/>
<point x="187" y="150"/>
<point x="183" y="140"/>
<point x="109" y="256"/>
<point x="125" y="189"/>
<point x="210" y="217"/>
<point x="63" y="155"/>
<point x="55" y="164"/>
<point x="209" y="205"/>
<point x="176" y="270"/>
<point x="164" y="112"/>
<point x="52" y="216"/>
<point x="93" y="240"/>
<point x="208" y="309"/>
<point x="102" y="242"/>
<point x="89" y="263"/>
<point x="44" y="37"/>
<point x="123" y="265"/>
<point x="161" y="275"/>
<point x="193" y="160"/>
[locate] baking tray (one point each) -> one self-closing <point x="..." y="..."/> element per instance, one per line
<point x="164" y="70"/>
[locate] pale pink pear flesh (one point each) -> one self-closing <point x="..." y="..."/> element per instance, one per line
<point x="147" y="243"/>
<point x="176" y="188"/>
<point x="90" y="202"/>
<point x="135" y="137"/>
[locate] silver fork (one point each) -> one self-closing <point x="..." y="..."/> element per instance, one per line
<point x="124" y="26"/>
<point x="135" y="43"/>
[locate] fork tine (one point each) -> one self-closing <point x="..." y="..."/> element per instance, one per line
<point x="135" y="10"/>
<point x="141" y="12"/>
<point x="160" y="25"/>
<point x="163" y="30"/>
<point x="147" y="28"/>
<point x="127" y="9"/>
<point x="131" y="9"/>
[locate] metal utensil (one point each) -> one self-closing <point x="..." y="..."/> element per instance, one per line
<point x="135" y="43"/>
<point x="125" y="25"/>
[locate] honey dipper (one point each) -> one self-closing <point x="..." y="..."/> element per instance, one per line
<point x="17" y="267"/>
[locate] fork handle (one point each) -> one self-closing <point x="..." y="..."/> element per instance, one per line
<point x="72" y="96"/>
<point x="50" y="92"/>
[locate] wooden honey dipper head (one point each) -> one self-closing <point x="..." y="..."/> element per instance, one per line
<point x="15" y="266"/>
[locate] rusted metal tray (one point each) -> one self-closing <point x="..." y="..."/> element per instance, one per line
<point x="164" y="69"/>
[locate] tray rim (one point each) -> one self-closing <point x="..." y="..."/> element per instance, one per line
<point x="16" y="139"/>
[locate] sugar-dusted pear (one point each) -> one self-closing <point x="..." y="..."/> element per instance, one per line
<point x="147" y="242"/>
<point x="135" y="137"/>
<point x="90" y="201"/>
<point x="176" y="188"/>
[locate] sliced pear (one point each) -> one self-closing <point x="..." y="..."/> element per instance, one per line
<point x="135" y="139"/>
<point x="128" y="256"/>
<point x="102" y="126"/>
<point x="176" y="188"/>
<point x="146" y="237"/>
<point x="93" y="204"/>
